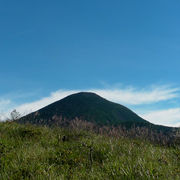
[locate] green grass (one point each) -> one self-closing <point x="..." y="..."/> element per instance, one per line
<point x="29" y="152"/>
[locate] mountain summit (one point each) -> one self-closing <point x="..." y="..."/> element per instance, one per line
<point x="86" y="106"/>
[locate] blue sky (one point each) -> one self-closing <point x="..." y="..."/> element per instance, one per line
<point x="115" y="48"/>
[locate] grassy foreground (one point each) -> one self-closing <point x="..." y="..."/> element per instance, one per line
<point x="29" y="152"/>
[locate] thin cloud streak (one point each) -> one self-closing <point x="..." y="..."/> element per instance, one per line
<point x="4" y="106"/>
<point x="33" y="106"/>
<point x="125" y="96"/>
<point x="137" y="97"/>
<point x="4" y="103"/>
<point x="167" y="117"/>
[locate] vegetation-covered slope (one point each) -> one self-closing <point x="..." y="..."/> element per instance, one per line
<point x="29" y="152"/>
<point x="89" y="107"/>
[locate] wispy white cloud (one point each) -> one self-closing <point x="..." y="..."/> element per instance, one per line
<point x="4" y="106"/>
<point x="167" y="117"/>
<point x="126" y="96"/>
<point x="4" y="102"/>
<point x="54" y="96"/>
<point x="134" y="96"/>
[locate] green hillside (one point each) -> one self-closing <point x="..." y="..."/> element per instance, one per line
<point x="89" y="107"/>
<point x="29" y="152"/>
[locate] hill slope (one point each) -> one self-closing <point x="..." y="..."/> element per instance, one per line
<point x="90" y="107"/>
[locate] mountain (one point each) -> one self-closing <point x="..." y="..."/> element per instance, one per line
<point x="90" y="107"/>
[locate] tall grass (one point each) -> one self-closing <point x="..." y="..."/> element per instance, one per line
<point x="31" y="152"/>
<point x="171" y="138"/>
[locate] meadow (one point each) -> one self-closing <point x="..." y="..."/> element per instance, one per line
<point x="34" y="152"/>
